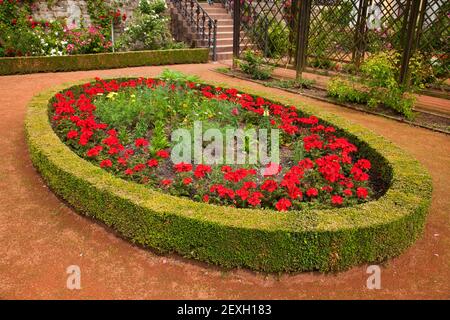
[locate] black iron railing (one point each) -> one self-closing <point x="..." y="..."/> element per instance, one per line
<point x="200" y="22"/>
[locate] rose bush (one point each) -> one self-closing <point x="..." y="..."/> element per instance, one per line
<point x="120" y="126"/>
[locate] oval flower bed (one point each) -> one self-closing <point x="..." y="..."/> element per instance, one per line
<point x="350" y="196"/>
<point x="124" y="127"/>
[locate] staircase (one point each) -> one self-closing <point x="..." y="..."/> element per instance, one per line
<point x="202" y="25"/>
<point x="224" y="33"/>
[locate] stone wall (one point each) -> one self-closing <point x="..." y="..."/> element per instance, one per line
<point x="73" y="11"/>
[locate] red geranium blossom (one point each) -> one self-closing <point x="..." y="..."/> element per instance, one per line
<point x="312" y="192"/>
<point x="152" y="163"/>
<point x="182" y="167"/>
<point x="106" y="163"/>
<point x="337" y="200"/>
<point x="162" y="154"/>
<point x="283" y="204"/>
<point x="140" y="142"/>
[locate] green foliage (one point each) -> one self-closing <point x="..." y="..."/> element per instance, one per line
<point x="102" y="61"/>
<point x="380" y="75"/>
<point x="378" y="85"/>
<point x="346" y="91"/>
<point x="149" y="29"/>
<point x="153" y="113"/>
<point x="293" y="84"/>
<point x="177" y="76"/>
<point x="253" y="65"/>
<point x="264" y="240"/>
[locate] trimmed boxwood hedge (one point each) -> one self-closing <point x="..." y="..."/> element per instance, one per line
<point x="102" y="61"/>
<point x="325" y="240"/>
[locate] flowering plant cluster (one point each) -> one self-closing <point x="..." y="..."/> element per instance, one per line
<point x="329" y="173"/>
<point x="22" y="35"/>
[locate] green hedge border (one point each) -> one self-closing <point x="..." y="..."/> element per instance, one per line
<point x="325" y="240"/>
<point x="22" y="65"/>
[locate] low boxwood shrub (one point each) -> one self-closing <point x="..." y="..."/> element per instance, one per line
<point x="326" y="240"/>
<point x="101" y="61"/>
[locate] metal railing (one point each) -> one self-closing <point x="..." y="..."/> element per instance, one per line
<point x="200" y="22"/>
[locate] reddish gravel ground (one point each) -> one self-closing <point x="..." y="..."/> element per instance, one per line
<point x="40" y="236"/>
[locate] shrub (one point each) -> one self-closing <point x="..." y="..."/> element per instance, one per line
<point x="253" y="65"/>
<point x="346" y="91"/>
<point x="378" y="85"/>
<point x="149" y="29"/>
<point x="380" y="75"/>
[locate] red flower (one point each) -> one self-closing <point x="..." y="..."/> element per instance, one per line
<point x="205" y="198"/>
<point x="249" y="185"/>
<point x="363" y="164"/>
<point x="348" y="192"/>
<point x="129" y="172"/>
<point x="269" y="185"/>
<point x="187" y="181"/>
<point x="94" y="151"/>
<point x="106" y="163"/>
<point x="201" y="171"/>
<point x="140" y="142"/>
<point x="243" y="193"/>
<point x="337" y="200"/>
<point x="166" y="182"/>
<point x="283" y="204"/>
<point x="122" y="161"/>
<point x="255" y="198"/>
<point x="312" y="192"/>
<point x="152" y="163"/>
<point x="306" y="163"/>
<point x="72" y="134"/>
<point x="362" y="192"/>
<point x="226" y="169"/>
<point x="162" y="154"/>
<point x="139" y="167"/>
<point x="183" y="167"/>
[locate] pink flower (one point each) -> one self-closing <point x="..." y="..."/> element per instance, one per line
<point x="70" y="47"/>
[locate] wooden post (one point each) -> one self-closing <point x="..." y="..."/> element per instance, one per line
<point x="303" y="32"/>
<point x="236" y="30"/>
<point x="409" y="43"/>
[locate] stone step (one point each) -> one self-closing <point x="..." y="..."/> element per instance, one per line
<point x="221" y="28"/>
<point x="226" y="34"/>
<point x="214" y="10"/>
<point x="229" y="47"/>
<point x="224" y="22"/>
<point x="224" y="56"/>
<point x="205" y="4"/>
<point x="224" y="41"/>
<point x="220" y="16"/>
